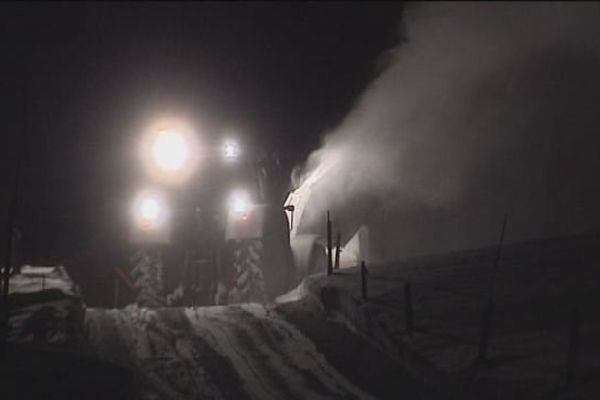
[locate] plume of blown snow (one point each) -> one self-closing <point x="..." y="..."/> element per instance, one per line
<point x="485" y="109"/>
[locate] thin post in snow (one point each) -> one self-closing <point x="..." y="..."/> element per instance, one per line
<point x="214" y="275"/>
<point x="363" y="278"/>
<point x="488" y="311"/>
<point x="329" y="247"/>
<point x="383" y="234"/>
<point x="338" y="249"/>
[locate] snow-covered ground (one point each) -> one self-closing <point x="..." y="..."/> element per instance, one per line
<point x="248" y="351"/>
<point x="323" y="340"/>
<point x="538" y="285"/>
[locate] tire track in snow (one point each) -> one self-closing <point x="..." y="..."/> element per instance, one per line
<point x="276" y="354"/>
<point x="204" y="320"/>
<point x="305" y="357"/>
<point x="214" y="375"/>
<point x="133" y="338"/>
<point x="274" y="339"/>
<point x="261" y="361"/>
<point x="169" y="361"/>
<point x="263" y="336"/>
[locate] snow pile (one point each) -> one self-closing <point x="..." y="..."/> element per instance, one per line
<point x="537" y="286"/>
<point x="38" y="279"/>
<point x="46" y="306"/>
<point x="243" y="352"/>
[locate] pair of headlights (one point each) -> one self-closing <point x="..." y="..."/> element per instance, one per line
<point x="152" y="211"/>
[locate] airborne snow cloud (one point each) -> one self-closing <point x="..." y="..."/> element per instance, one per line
<point x="485" y="109"/>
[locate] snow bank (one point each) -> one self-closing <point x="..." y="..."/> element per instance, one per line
<point x="536" y="286"/>
<point x="46" y="307"/>
<point x="221" y="352"/>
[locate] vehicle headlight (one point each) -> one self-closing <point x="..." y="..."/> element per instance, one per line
<point x="170" y="151"/>
<point x="149" y="210"/>
<point x="231" y="150"/>
<point x="239" y="203"/>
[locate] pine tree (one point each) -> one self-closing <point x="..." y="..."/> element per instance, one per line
<point x="147" y="274"/>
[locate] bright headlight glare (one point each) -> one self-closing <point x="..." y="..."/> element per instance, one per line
<point x="149" y="210"/>
<point x="170" y="151"/>
<point x="239" y="203"/>
<point x="231" y="150"/>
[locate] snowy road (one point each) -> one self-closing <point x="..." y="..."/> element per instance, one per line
<point x="234" y="352"/>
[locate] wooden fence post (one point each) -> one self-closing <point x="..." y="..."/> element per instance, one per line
<point x="363" y="275"/>
<point x="329" y="247"/>
<point x="337" y="250"/>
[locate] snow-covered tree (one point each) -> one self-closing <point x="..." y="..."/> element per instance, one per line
<point x="147" y="273"/>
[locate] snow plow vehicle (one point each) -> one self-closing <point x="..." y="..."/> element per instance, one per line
<point x="232" y="239"/>
<point x="224" y="239"/>
<point x="224" y="235"/>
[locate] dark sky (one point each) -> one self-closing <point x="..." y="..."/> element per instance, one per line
<point x="281" y="74"/>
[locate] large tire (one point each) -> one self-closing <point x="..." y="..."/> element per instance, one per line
<point x="249" y="280"/>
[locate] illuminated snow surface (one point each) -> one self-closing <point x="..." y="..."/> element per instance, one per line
<point x="323" y="341"/>
<point x="248" y="351"/>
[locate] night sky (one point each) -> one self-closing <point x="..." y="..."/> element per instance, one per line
<point x="82" y="80"/>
